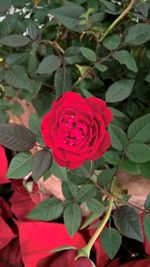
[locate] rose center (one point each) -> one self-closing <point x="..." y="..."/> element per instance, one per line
<point x="74" y="131"/>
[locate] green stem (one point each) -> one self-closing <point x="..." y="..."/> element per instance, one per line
<point x="86" y="250"/>
<point x="122" y="15"/>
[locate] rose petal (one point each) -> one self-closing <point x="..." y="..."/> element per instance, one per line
<point x="96" y="104"/>
<point x="37" y="239"/>
<point x="107" y="116"/>
<point x="6" y="234"/>
<point x="105" y="144"/>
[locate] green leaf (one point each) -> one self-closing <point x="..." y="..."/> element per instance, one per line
<point x="127" y="222"/>
<point x="147" y="203"/>
<point x="20" y="165"/>
<point x="139" y="130"/>
<point x="32" y="31"/>
<point x="95" y="205"/>
<point x="4" y="5"/>
<point x="147" y="78"/>
<point x="138" y="34"/>
<point x="47" y="210"/>
<point x="125" y="58"/>
<point x="69" y="16"/>
<point x="86" y="192"/>
<point x="111" y="241"/>
<point x="73" y="55"/>
<point x="119" y="90"/>
<point x="41" y="163"/>
<point x="72" y="218"/>
<point x="147" y="226"/>
<point x="34" y="125"/>
<point x="105" y="177"/>
<point x="60" y="172"/>
<point x="145" y="169"/>
<point x="112" y="41"/>
<point x="16" y="137"/>
<point x="118" y="137"/>
<point x="15" y="40"/>
<point x="49" y="64"/>
<point x="17" y="59"/>
<point x="111" y="157"/>
<point x="88" y="54"/>
<point x="63" y="81"/>
<point x="138" y="153"/>
<point x="131" y="167"/>
<point x="18" y="78"/>
<point x="91" y="218"/>
<point x="101" y="67"/>
<point x="69" y="189"/>
<point x="32" y="65"/>
<point x="4" y="105"/>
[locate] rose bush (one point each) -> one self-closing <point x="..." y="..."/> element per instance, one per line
<point x="75" y="129"/>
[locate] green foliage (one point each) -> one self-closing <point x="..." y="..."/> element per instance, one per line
<point x="127" y="222"/>
<point x="20" y="165"/>
<point x="57" y="47"/>
<point x="47" y="210"/>
<point x="111" y="241"/>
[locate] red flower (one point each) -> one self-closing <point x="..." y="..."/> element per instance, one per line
<point x="3" y="166"/>
<point x="75" y="129"/>
<point x="67" y="259"/>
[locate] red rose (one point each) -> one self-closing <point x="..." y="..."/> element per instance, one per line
<point x="75" y="129"/>
<point x="65" y="259"/>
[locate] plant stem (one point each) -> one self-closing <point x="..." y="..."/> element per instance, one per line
<point x="91" y="242"/>
<point x="122" y="15"/>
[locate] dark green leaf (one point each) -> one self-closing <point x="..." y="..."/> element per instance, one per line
<point x="32" y="31"/>
<point x="119" y="90"/>
<point x="72" y="218"/>
<point x="147" y="203"/>
<point x="20" y="165"/>
<point x="145" y="169"/>
<point x="47" y="210"/>
<point x="4" y="5"/>
<point x="138" y="34"/>
<point x="40" y="163"/>
<point x="88" y="54"/>
<point x="139" y="130"/>
<point x="95" y="205"/>
<point x="60" y="172"/>
<point x="18" y="78"/>
<point x="127" y="221"/>
<point x="34" y="125"/>
<point x="69" y="189"/>
<point x="111" y="241"/>
<point x="69" y="16"/>
<point x="118" y="137"/>
<point x="63" y="81"/>
<point x="138" y="153"/>
<point x="91" y="218"/>
<point x="73" y="55"/>
<point x="131" y="167"/>
<point x="86" y="192"/>
<point x="124" y="57"/>
<point x="16" y="137"/>
<point x="15" y="40"/>
<point x="111" y="157"/>
<point x="112" y="41"/>
<point x="147" y="226"/>
<point x="105" y="177"/>
<point x="101" y="67"/>
<point x="49" y="64"/>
